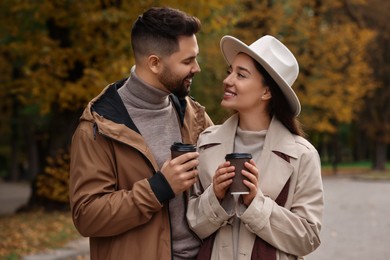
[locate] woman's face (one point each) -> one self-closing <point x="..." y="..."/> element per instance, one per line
<point x="244" y="87"/>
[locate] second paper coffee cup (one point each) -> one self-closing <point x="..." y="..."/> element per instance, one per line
<point x="238" y="160"/>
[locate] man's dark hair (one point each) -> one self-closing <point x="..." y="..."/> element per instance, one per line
<point x="157" y="30"/>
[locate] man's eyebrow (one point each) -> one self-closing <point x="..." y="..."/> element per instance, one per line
<point x="189" y="59"/>
<point x="192" y="57"/>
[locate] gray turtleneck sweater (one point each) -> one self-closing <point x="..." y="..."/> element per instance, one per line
<point x="247" y="142"/>
<point x="156" y="118"/>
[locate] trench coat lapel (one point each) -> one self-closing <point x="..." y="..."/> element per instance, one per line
<point x="222" y="134"/>
<point x="221" y="138"/>
<point x="274" y="170"/>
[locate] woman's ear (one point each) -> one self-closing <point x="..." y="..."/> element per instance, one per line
<point x="266" y="94"/>
<point x="154" y="63"/>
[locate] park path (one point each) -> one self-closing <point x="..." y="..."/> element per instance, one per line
<point x="13" y="196"/>
<point x="356" y="222"/>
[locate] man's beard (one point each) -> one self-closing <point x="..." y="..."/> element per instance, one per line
<point x="178" y="87"/>
<point x="182" y="90"/>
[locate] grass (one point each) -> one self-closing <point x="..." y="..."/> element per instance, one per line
<point x="356" y="168"/>
<point x="28" y="233"/>
<point x="374" y="175"/>
<point x="361" y="165"/>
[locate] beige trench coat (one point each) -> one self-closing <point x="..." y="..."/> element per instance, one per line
<point x="294" y="229"/>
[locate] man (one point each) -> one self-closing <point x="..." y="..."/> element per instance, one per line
<point x="126" y="194"/>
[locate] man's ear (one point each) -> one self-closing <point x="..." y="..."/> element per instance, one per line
<point x="154" y="63"/>
<point x="266" y="94"/>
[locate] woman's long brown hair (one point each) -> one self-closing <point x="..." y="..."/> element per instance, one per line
<point x="279" y="106"/>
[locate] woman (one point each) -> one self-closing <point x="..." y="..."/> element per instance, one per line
<point x="280" y="218"/>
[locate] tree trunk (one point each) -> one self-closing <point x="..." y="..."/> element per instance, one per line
<point x="361" y="147"/>
<point x="14" y="173"/>
<point x="33" y="154"/>
<point x="380" y="156"/>
<point x="14" y="162"/>
<point x="336" y="153"/>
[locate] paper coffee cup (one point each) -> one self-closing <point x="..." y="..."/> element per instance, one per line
<point x="238" y="160"/>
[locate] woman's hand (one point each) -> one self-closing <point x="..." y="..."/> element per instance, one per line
<point x="222" y="179"/>
<point x="252" y="183"/>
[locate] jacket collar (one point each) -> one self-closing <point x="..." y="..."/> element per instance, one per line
<point x="109" y="105"/>
<point x="180" y="106"/>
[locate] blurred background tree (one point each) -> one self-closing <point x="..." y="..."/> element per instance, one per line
<point x="374" y="119"/>
<point x="57" y="55"/>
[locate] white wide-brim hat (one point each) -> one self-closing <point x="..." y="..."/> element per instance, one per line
<point x="276" y="59"/>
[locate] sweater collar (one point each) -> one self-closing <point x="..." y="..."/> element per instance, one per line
<point x="142" y="95"/>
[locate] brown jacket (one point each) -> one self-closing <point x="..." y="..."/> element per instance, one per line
<point x="117" y="194"/>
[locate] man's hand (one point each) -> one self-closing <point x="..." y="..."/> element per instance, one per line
<point x="181" y="171"/>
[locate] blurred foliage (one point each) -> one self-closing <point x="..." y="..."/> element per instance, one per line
<point x="53" y="183"/>
<point x="64" y="52"/>
<point x="33" y="232"/>
<point x="375" y="118"/>
<point x="57" y="55"/>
